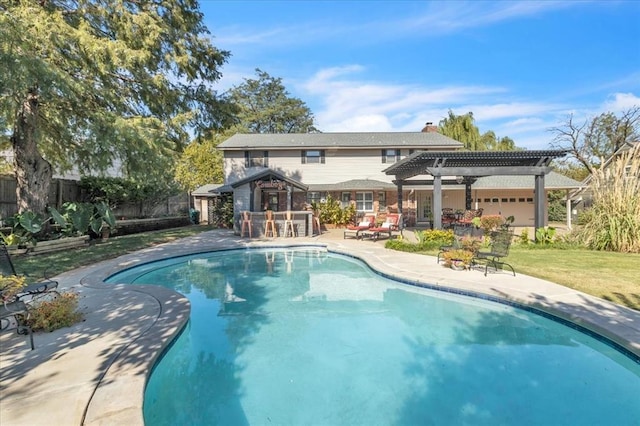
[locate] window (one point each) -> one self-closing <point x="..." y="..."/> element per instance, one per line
<point x="364" y="201"/>
<point x="313" y="156"/>
<point x="390" y="155"/>
<point x="345" y="199"/>
<point x="314" y="197"/>
<point x="272" y="201"/>
<point x="256" y="158"/>
<point x="382" y="201"/>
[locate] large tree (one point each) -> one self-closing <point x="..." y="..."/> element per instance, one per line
<point x="594" y="140"/>
<point x="463" y="129"/>
<point x="90" y="83"/>
<point x="265" y="106"/>
<point x="200" y="164"/>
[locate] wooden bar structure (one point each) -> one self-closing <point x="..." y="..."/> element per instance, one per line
<point x="302" y="224"/>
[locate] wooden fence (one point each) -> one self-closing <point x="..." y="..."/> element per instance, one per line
<point x="65" y="190"/>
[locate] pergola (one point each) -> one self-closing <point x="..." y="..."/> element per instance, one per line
<point x="466" y="166"/>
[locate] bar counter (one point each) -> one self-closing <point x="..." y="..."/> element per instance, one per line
<point x="302" y="224"/>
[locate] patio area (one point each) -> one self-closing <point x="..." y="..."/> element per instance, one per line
<point x="95" y="371"/>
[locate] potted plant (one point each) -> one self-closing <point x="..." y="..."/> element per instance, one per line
<point x="458" y="259"/>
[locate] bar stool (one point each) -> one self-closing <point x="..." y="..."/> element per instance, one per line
<point x="316" y="224"/>
<point x="269" y="224"/>
<point x="288" y="224"/>
<point x="246" y="223"/>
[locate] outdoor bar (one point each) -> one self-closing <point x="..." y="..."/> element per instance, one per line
<point x="302" y="224"/>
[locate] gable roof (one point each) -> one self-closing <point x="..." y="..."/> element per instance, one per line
<point x="388" y="140"/>
<point x="353" y="185"/>
<point x="211" y="189"/>
<point x="552" y="180"/>
<point x="271" y="174"/>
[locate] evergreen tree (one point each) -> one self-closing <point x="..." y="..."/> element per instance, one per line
<point x="265" y="106"/>
<point x="90" y="83"/>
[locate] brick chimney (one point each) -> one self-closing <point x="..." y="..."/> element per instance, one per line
<point x="430" y="128"/>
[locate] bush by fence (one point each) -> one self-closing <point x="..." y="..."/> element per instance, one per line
<point x="65" y="190"/>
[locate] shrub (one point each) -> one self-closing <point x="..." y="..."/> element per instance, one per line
<point x="546" y="235"/>
<point x="332" y="212"/>
<point x="613" y="221"/>
<point x="402" y="245"/>
<point x="524" y="237"/>
<point x="433" y="238"/>
<point x="10" y="285"/>
<point x="49" y="315"/>
<point x="458" y="257"/>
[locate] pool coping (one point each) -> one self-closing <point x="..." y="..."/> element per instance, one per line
<point x="118" y="390"/>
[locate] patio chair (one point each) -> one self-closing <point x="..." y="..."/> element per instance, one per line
<point x="459" y="232"/>
<point x="41" y="288"/>
<point x="391" y="224"/>
<point x="499" y="249"/>
<point x="355" y="231"/>
<point x="12" y="316"/>
<point x="448" y="217"/>
<point x="468" y="216"/>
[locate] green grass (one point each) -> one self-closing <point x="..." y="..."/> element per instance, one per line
<point x="610" y="276"/>
<point x="57" y="262"/>
<point x="607" y="275"/>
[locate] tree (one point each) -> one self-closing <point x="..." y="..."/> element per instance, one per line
<point x="200" y="164"/>
<point x="463" y="129"/>
<point x="595" y="140"/>
<point x="93" y="83"/>
<point x="266" y="107"/>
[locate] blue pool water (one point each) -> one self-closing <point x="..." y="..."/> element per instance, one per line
<point x="305" y="337"/>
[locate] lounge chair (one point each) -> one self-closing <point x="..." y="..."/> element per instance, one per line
<point x="354" y="231"/>
<point x="392" y="223"/>
<point x="499" y="249"/>
<point x="35" y="290"/>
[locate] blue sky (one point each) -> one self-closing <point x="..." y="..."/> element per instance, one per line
<point x="520" y="67"/>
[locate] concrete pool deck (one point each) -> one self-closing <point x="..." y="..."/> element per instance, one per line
<point x="94" y="372"/>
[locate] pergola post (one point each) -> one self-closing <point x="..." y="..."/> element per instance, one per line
<point x="539" y="202"/>
<point x="569" y="210"/>
<point x="400" y="197"/>
<point x="437" y="202"/>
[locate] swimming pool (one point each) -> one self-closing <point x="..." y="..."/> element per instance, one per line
<point x="308" y="337"/>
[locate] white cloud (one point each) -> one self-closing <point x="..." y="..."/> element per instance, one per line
<point x="619" y="102"/>
<point x="344" y="102"/>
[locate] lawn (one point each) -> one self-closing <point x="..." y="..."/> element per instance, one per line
<point x="610" y="276"/>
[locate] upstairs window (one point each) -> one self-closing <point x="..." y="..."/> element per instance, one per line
<point x="313" y="156"/>
<point x="256" y="158"/>
<point x="390" y="155"/>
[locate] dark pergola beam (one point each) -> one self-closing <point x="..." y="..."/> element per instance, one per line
<point x="487" y="171"/>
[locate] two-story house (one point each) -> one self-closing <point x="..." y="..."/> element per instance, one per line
<point x="289" y="171"/>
